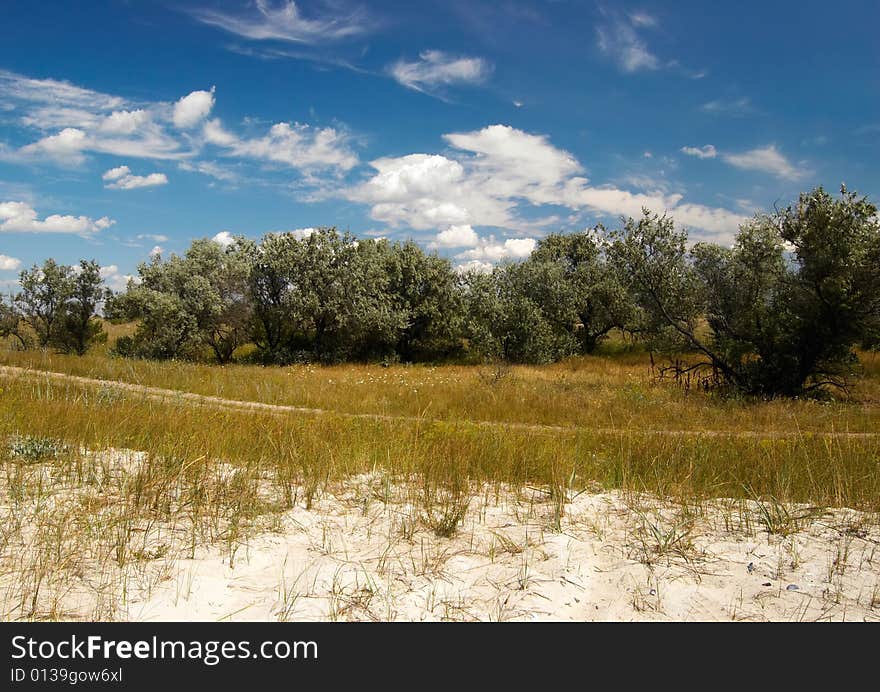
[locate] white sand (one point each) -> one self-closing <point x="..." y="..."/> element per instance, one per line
<point x="608" y="563"/>
<point x="367" y="552"/>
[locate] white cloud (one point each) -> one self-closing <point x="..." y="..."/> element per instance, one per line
<point x="705" y="152"/>
<point x="620" y="41"/>
<point x="435" y="68"/>
<point x="768" y="160"/>
<point x="66" y="147"/>
<point x="9" y="264"/>
<point x="57" y="93"/>
<point x="224" y="238"/>
<point x="19" y="217"/>
<point x="302" y="233"/>
<point x="121" y="178"/>
<point x="456" y="236"/>
<point x="491" y="250"/>
<point x="116" y="173"/>
<point x="210" y="169"/>
<point x="643" y="19"/>
<point x="297" y="145"/>
<point x="284" y="22"/>
<point x="475" y="266"/>
<point x="193" y="108"/>
<point x="735" y="107"/>
<point x="155" y="237"/>
<point x="157" y="251"/>
<point x="73" y="122"/>
<point x="114" y="278"/>
<point x="500" y="172"/>
<point x="124" y="122"/>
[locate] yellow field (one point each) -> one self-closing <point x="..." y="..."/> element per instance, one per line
<point x="618" y="424"/>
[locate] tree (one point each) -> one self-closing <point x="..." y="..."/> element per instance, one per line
<point x="79" y="328"/>
<point x="190" y="303"/>
<point x="426" y="300"/>
<point x="651" y="259"/>
<point x="11" y="323"/>
<point x="324" y="296"/>
<point x="505" y="322"/>
<point x="43" y="298"/>
<point x="784" y="306"/>
<point x="588" y="299"/>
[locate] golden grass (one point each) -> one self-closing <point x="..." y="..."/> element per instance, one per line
<point x="607" y="392"/>
<point x="312" y="451"/>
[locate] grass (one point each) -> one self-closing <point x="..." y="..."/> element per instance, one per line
<point x="204" y="474"/>
<point x="614" y="392"/>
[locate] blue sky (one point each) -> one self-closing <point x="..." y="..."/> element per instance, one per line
<point x="472" y="127"/>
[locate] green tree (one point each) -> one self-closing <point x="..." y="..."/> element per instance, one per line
<point x="189" y="303"/>
<point x="79" y="327"/>
<point x="11" y="323"/>
<point x="784" y="307"/>
<point x="587" y="299"/>
<point x="505" y="322"/>
<point x="43" y="298"/>
<point x="425" y="300"/>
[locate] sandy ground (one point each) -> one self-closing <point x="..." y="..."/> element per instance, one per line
<point x="370" y="551"/>
<point x="616" y="558"/>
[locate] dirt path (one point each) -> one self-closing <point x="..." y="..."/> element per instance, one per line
<point x="160" y="394"/>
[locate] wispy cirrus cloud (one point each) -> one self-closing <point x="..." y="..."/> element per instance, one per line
<point x="619" y="39"/>
<point x="436" y="69"/>
<point x="766" y="159"/>
<point x="737" y="107"/>
<point x="283" y="21"/>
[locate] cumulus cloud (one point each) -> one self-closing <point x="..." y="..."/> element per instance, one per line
<point x="210" y="169"/>
<point x="20" y="217"/>
<point x="474" y="266"/>
<point x="73" y="122"/>
<point x="224" y="238"/>
<point x="705" y="152"/>
<point x="283" y="21"/>
<point x="491" y="250"/>
<point x="121" y="178"/>
<point x="494" y="175"/>
<point x="456" y="236"/>
<point x="767" y="160"/>
<point x="193" y="108"/>
<point x="124" y="122"/>
<point x="157" y="251"/>
<point x="114" y="279"/>
<point x="435" y="68"/>
<point x="296" y="145"/>
<point x="302" y="233"/>
<point x="66" y="147"/>
<point x="9" y="264"/>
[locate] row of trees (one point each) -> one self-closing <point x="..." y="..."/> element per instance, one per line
<point x="57" y="307"/>
<point x="779" y="312"/>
